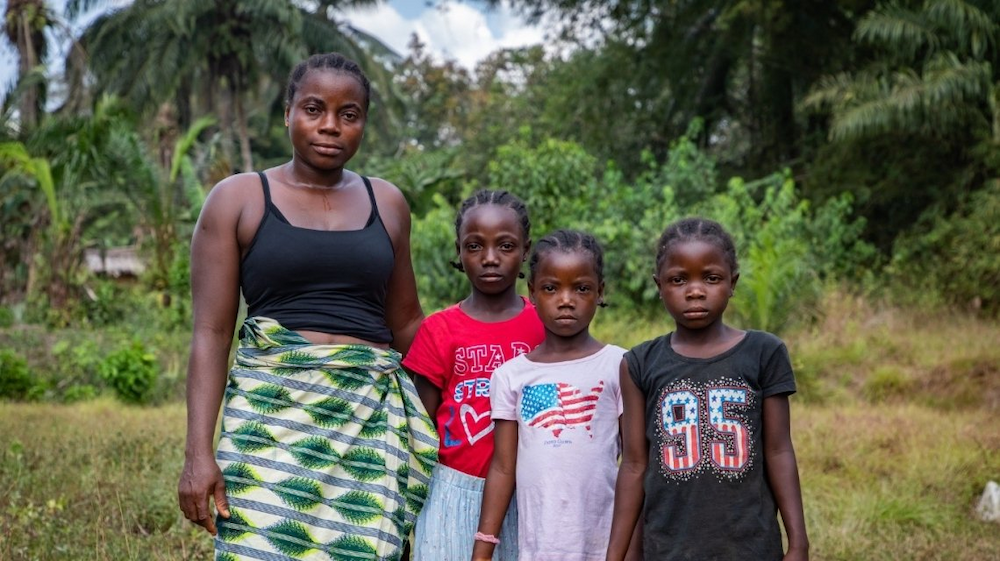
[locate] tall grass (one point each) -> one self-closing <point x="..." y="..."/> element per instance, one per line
<point x="894" y="426"/>
<point x="93" y="481"/>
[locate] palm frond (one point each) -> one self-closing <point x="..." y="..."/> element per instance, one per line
<point x="897" y="30"/>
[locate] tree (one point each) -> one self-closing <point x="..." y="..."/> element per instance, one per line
<point x="226" y="58"/>
<point x="658" y="64"/>
<point x="26" y="21"/>
<point x="79" y="166"/>
<point x="923" y="110"/>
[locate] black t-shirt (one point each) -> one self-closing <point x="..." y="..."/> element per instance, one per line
<point x="707" y="493"/>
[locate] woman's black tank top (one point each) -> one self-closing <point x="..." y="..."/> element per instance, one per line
<point x="327" y="281"/>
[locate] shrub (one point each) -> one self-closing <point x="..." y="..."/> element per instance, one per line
<point x="79" y="392"/>
<point x="884" y="382"/>
<point x="16" y="382"/>
<point x="131" y="372"/>
<point x="955" y="257"/>
<point x="6" y="317"/>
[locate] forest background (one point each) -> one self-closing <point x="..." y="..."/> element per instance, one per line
<point x="851" y="146"/>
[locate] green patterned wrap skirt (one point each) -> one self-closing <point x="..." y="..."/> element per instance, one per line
<point x="326" y="450"/>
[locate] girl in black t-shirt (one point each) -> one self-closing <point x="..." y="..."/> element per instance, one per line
<point x="708" y="455"/>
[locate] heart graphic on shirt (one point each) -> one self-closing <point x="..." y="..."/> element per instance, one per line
<point x="467" y="412"/>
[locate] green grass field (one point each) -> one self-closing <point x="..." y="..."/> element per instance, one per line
<point x="895" y="428"/>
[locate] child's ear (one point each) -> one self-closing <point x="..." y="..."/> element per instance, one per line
<point x="286" y="116"/>
<point x="732" y="285"/>
<point x="531" y="293"/>
<point x="527" y="251"/>
<point x="656" y="279"/>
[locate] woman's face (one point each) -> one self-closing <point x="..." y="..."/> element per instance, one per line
<point x="326" y="118"/>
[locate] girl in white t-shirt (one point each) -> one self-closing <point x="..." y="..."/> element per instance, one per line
<point x="557" y="413"/>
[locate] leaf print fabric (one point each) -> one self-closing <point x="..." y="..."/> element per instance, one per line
<point x="325" y="450"/>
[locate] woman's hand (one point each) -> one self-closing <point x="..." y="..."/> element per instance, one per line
<point x="200" y="480"/>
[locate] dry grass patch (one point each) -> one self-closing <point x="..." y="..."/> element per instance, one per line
<point x="93" y="481"/>
<point x="896" y="481"/>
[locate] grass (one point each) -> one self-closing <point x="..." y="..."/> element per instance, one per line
<point x="894" y="426"/>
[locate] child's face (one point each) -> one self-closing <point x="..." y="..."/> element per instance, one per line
<point x="491" y="247"/>
<point x="695" y="283"/>
<point x="566" y="291"/>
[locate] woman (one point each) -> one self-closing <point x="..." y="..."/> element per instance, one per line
<point x="325" y="447"/>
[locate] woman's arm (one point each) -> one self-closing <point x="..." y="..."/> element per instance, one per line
<point x="635" y="452"/>
<point x="430" y="395"/>
<point x="215" y="258"/>
<point x="499" y="487"/>
<point x="402" y="307"/>
<point x="783" y="474"/>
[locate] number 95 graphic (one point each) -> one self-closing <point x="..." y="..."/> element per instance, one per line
<point x="688" y="436"/>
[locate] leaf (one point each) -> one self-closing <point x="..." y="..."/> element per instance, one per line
<point x="292" y="538"/>
<point x="353" y="355"/>
<point x="330" y="412"/>
<point x="269" y="398"/>
<point x="239" y="478"/>
<point x="314" y="452"/>
<point x="251" y="437"/>
<point x="299" y="493"/>
<point x="416" y="495"/>
<point x="352" y="548"/>
<point x="358" y="507"/>
<point x="364" y="464"/>
<point x="376" y="425"/>
<point x="233" y="528"/>
<point x="349" y="377"/>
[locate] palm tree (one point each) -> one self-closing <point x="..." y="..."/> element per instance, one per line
<point x="227" y="58"/>
<point x="933" y="75"/>
<point x="81" y="166"/>
<point x="26" y="21"/>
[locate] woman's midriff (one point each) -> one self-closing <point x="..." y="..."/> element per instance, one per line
<point x="320" y="338"/>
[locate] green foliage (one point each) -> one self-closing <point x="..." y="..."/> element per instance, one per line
<point x="132" y="372"/>
<point x="16" y="381"/>
<point x="916" y="124"/>
<point x="885" y="382"/>
<point x="7" y="317"/>
<point x="787" y="248"/>
<point x="955" y="257"/>
<point x="433" y="247"/>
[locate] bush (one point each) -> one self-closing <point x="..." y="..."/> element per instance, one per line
<point x="956" y="257"/>
<point x="16" y="382"/>
<point x="131" y="372"/>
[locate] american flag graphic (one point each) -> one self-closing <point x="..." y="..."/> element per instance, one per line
<point x="682" y="445"/>
<point x="733" y="451"/>
<point x="559" y="406"/>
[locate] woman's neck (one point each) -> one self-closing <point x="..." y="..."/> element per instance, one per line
<point x="300" y="174"/>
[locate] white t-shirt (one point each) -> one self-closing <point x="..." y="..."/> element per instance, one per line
<point x="567" y="451"/>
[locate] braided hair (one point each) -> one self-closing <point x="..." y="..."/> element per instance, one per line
<point x="699" y="229"/>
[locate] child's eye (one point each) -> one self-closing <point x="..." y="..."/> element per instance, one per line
<point x="351" y="116"/>
<point x="714" y="278"/>
<point x="507" y="247"/>
<point x="311" y="109"/>
<point x="473" y="246"/>
<point x="676" y="280"/>
<point x="548" y="288"/>
<point x="583" y="288"/>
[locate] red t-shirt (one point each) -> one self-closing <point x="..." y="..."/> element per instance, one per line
<point x="458" y="354"/>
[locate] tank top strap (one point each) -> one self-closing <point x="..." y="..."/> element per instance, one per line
<point x="268" y="203"/>
<point x="371" y="196"/>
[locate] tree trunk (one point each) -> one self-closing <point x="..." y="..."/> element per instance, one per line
<point x="243" y="131"/>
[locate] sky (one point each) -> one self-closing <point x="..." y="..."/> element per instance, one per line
<point x="461" y="30"/>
